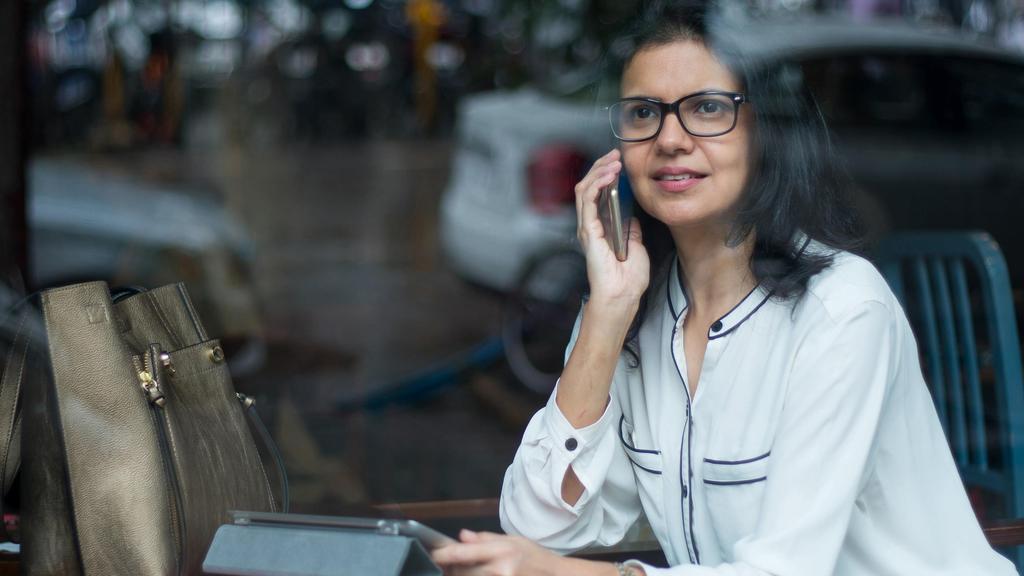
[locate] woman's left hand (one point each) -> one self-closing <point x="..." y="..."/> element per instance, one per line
<point x="489" y="554"/>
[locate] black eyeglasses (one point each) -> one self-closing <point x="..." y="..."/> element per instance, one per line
<point x="703" y="114"/>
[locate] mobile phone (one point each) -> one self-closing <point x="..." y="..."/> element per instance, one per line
<point x="613" y="208"/>
<point x="430" y="538"/>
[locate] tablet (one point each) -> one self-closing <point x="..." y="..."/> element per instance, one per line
<point x="430" y="539"/>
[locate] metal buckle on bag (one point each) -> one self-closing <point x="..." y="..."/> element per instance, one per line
<point x="216" y="354"/>
<point x="247" y="401"/>
<point x="165" y="359"/>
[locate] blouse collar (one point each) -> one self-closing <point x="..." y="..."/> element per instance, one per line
<point x="750" y="304"/>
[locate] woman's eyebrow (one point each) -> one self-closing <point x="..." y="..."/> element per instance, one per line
<point x="701" y="91"/>
<point x="644" y="96"/>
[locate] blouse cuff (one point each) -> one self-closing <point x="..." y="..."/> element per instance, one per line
<point x="577" y="447"/>
<point x="650" y="570"/>
<point x="573" y="443"/>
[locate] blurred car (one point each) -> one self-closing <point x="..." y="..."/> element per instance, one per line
<point x="510" y="198"/>
<point x="85" y="225"/>
<point x="930" y="123"/>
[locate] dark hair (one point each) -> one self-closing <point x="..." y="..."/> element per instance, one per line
<point x="797" y="184"/>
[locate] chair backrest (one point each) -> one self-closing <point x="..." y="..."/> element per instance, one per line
<point x="955" y="289"/>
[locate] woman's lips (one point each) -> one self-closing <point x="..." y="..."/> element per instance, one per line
<point x="673" y="184"/>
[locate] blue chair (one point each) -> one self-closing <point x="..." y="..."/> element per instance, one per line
<point x="955" y="288"/>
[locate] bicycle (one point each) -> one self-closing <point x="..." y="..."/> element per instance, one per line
<point x="539" y="316"/>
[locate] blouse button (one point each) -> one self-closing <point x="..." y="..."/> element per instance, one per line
<point x="571" y="444"/>
<point x="716" y="326"/>
<point x="686" y="491"/>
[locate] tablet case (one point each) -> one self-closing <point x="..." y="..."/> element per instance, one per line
<point x="258" y="550"/>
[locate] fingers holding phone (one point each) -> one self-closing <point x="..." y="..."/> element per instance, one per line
<point x="617" y="263"/>
<point x="634" y="234"/>
<point x="604" y="172"/>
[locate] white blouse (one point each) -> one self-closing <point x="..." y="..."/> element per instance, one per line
<point x="811" y="446"/>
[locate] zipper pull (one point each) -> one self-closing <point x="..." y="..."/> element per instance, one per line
<point x="165" y="360"/>
<point x="152" y="389"/>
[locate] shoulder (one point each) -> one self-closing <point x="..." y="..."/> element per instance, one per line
<point x="848" y="319"/>
<point x="850" y="285"/>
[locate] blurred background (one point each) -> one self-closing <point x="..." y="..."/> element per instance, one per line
<point x="371" y="200"/>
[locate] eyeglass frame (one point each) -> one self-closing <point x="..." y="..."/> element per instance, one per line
<point x="737" y="98"/>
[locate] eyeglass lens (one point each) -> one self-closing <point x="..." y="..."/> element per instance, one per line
<point x="703" y="115"/>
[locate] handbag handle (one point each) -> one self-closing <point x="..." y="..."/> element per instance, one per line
<point x="268" y="445"/>
<point x="121" y="292"/>
<point x="10" y="400"/>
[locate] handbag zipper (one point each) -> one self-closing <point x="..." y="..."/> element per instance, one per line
<point x="149" y="380"/>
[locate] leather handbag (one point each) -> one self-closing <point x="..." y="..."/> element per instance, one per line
<point x="135" y="443"/>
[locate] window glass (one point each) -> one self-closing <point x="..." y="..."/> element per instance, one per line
<point x="372" y="202"/>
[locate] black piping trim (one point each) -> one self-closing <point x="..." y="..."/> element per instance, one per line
<point x="685" y="489"/>
<point x="644" y="468"/>
<point x="734" y="482"/>
<point x="737" y="325"/>
<point x="744" y="319"/>
<point x="807" y="242"/>
<point x="768" y="296"/>
<point x="622" y="437"/>
<point x="685" y="483"/>
<point x="735" y="462"/>
<point x="740" y="303"/>
<point x="689" y="482"/>
<point x="668" y="291"/>
<point x="671" y="306"/>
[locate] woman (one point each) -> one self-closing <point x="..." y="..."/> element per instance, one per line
<point x="768" y="415"/>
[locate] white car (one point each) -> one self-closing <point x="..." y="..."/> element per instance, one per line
<point x="510" y="198"/>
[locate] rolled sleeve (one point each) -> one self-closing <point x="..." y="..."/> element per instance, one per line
<point x="531" y="496"/>
<point x="531" y="502"/>
<point x="586" y="449"/>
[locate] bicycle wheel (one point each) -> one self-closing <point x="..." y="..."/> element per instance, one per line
<point x="539" y="316"/>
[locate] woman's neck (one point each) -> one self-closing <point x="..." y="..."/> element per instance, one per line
<point x="716" y="276"/>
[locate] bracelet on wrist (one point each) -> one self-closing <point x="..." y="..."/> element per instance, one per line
<point x="625" y="570"/>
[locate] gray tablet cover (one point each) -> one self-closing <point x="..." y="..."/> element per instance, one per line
<point x="256" y="550"/>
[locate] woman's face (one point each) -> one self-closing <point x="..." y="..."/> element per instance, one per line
<point x="717" y="166"/>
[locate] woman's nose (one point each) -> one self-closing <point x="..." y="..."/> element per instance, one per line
<point x="673" y="138"/>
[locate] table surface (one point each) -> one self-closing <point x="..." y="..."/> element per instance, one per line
<point x="482" y="514"/>
<point x="640" y="538"/>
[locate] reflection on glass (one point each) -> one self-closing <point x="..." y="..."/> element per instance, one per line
<point x="357" y="197"/>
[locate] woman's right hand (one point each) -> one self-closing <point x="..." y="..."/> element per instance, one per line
<point x="615" y="291"/>
<point x="612" y="283"/>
